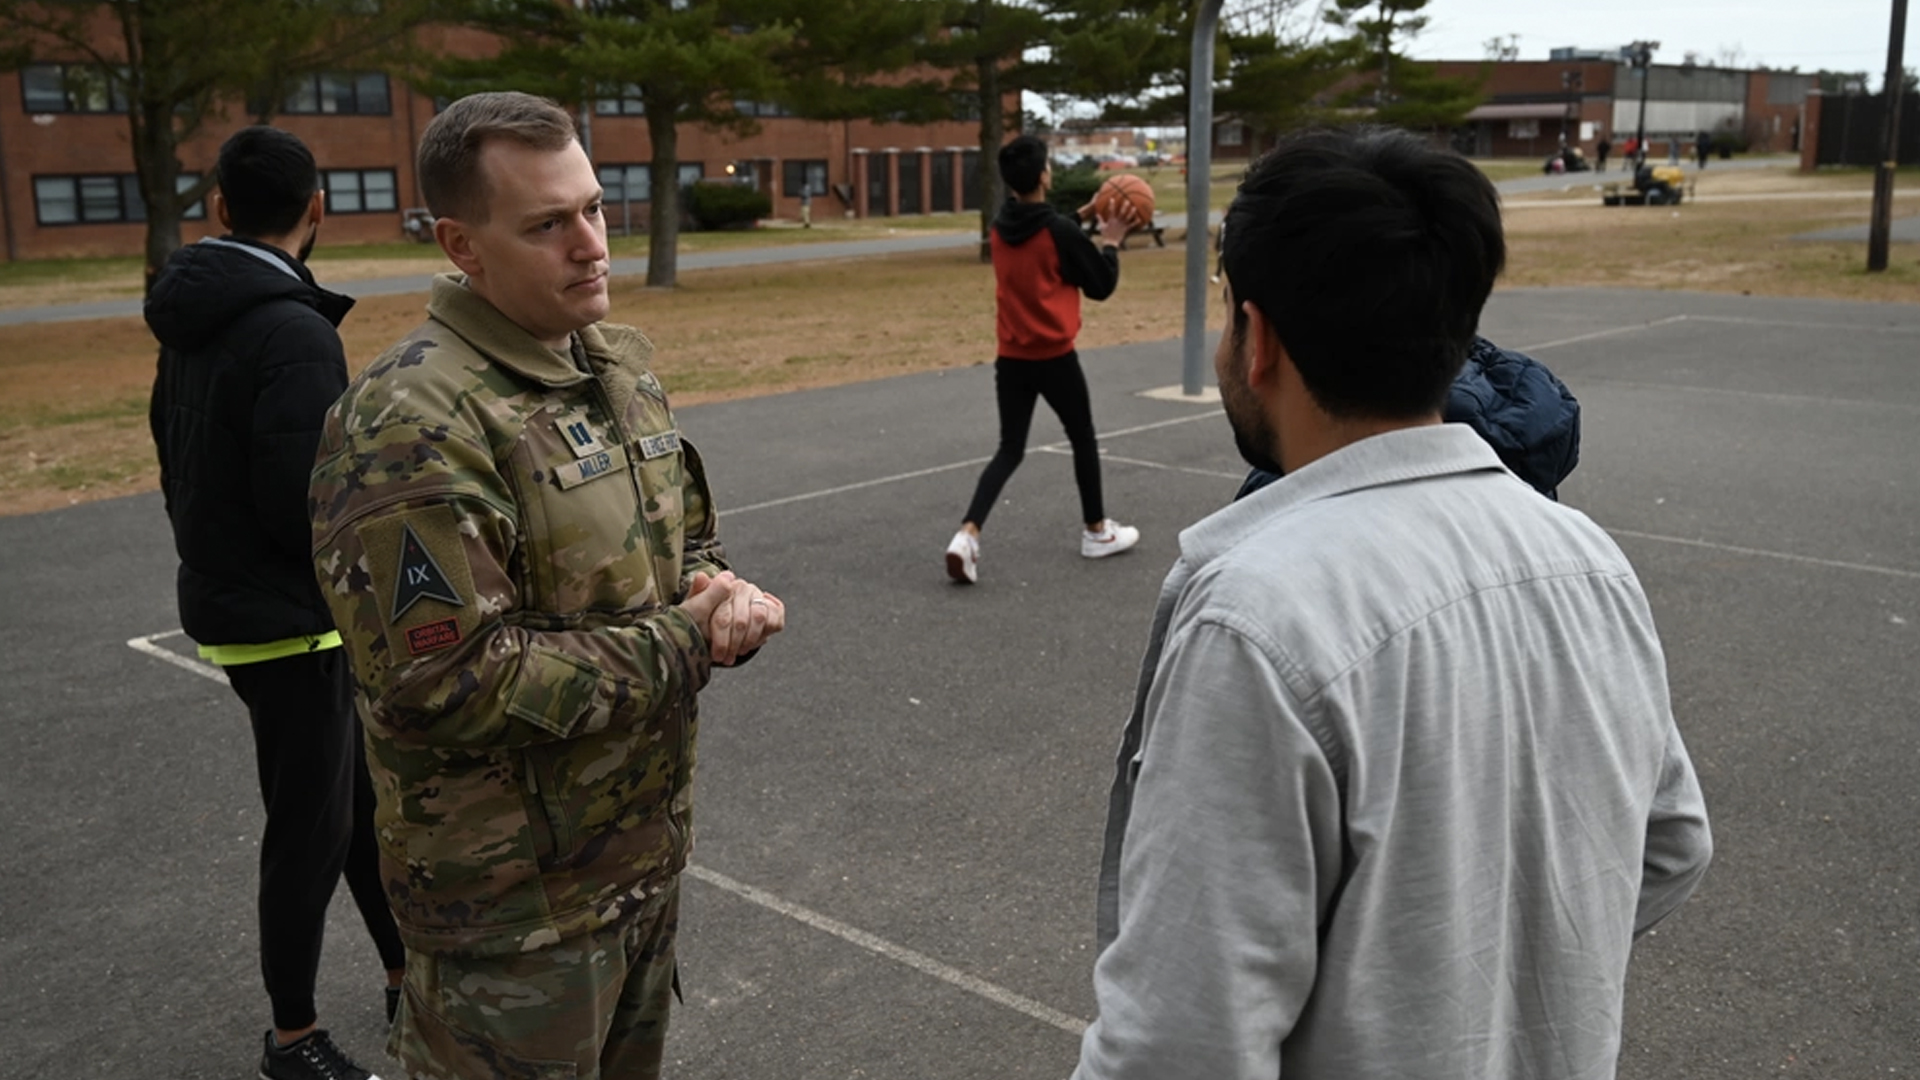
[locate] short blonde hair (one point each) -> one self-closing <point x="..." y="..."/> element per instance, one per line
<point x="449" y="158"/>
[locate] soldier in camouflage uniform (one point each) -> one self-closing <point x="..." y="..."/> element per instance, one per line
<point x="520" y="552"/>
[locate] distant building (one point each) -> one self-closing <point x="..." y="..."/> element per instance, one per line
<point x="67" y="185"/>
<point x="1532" y="105"/>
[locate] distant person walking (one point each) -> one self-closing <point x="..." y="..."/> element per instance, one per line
<point x="1702" y="146"/>
<point x="1600" y="151"/>
<point x="1042" y="262"/>
<point x="249" y="364"/>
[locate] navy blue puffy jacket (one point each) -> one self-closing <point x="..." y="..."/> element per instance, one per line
<point x="1527" y="414"/>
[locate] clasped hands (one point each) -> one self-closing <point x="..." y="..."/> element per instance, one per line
<point x="733" y="614"/>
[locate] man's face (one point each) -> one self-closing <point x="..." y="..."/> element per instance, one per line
<point x="541" y="257"/>
<point x="1254" y="433"/>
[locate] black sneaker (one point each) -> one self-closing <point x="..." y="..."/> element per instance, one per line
<point x="312" y="1057"/>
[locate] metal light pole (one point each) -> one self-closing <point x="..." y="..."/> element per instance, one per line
<point x="586" y="105"/>
<point x="1895" y="88"/>
<point x="1193" y="346"/>
<point x="1643" y="61"/>
<point x="1573" y="83"/>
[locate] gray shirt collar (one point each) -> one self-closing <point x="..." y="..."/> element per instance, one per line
<point x="1394" y="457"/>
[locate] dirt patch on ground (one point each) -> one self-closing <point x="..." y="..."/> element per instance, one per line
<point x="73" y="419"/>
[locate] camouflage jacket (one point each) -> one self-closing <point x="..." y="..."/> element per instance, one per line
<point x="500" y="537"/>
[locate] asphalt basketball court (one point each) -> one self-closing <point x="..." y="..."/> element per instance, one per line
<point x="900" y="800"/>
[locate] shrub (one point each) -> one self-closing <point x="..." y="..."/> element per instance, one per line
<point x="715" y="204"/>
<point x="1074" y="187"/>
<point x="1729" y="142"/>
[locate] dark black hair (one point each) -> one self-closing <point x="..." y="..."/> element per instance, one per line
<point x="1021" y="163"/>
<point x="267" y="177"/>
<point x="1371" y="254"/>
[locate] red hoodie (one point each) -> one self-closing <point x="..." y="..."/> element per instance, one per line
<point x="1042" y="262"/>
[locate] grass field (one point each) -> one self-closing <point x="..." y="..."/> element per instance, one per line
<point x="73" y="418"/>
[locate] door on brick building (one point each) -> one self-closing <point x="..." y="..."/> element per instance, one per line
<point x="910" y="184"/>
<point x="970" y="180"/>
<point x="877" y="186"/>
<point x="941" y="170"/>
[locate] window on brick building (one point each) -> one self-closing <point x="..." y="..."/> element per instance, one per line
<point x="70" y="88"/>
<point x="98" y="199"/>
<point x="797" y="177"/>
<point x="761" y="109"/>
<point x="339" y="93"/>
<point x="692" y="172"/>
<point x="625" y="183"/>
<point x="619" y="101"/>
<point x="360" y="191"/>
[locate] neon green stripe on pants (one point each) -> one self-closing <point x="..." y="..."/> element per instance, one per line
<point x="235" y="655"/>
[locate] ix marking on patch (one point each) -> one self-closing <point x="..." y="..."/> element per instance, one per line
<point x="420" y="578"/>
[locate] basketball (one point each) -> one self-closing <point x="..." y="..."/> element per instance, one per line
<point x="1125" y="189"/>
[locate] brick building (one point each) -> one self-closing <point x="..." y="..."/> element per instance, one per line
<point x="1531" y="104"/>
<point x="67" y="184"/>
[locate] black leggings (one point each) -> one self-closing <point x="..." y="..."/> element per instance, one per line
<point x="319" y="800"/>
<point x="1017" y="383"/>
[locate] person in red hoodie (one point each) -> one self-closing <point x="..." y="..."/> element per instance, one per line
<point x="1042" y="262"/>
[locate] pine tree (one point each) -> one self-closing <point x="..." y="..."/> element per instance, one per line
<point x="695" y="61"/>
<point x="179" y="63"/>
<point x="991" y="50"/>
<point x="1403" y="92"/>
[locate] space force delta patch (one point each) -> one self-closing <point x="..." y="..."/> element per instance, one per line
<point x="419" y="578"/>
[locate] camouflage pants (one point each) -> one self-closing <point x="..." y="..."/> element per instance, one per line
<point x="593" y="1007"/>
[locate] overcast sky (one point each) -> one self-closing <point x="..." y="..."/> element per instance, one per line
<point x="1843" y="35"/>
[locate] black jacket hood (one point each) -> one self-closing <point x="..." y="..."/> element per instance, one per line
<point x="206" y="286"/>
<point x="1018" y="222"/>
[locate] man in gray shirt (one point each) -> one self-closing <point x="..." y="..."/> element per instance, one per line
<point x="1402" y="781"/>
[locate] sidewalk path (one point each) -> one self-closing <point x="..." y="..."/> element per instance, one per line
<point x="1571" y="181"/>
<point x="419" y="283"/>
<point x="1904" y="230"/>
<point x="766" y="256"/>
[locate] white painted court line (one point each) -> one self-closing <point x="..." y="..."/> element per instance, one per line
<point x="1741" y="320"/>
<point x="146" y="645"/>
<point x="1067" y="451"/>
<point x="969" y="463"/>
<point x="920" y="962"/>
<point x="898" y="953"/>
<point x="844" y="488"/>
<point x="1757" y="395"/>
<point x="1599" y="334"/>
<point x="1732" y="549"/>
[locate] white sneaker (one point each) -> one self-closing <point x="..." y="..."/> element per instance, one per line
<point x="1112" y="539"/>
<point x="963" y="558"/>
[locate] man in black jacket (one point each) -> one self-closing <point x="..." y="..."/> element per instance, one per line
<point x="249" y="364"/>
